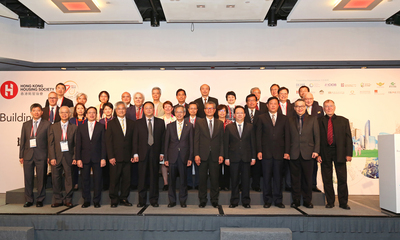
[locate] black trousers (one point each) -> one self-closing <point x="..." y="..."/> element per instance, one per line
<point x="120" y="180"/>
<point x="97" y="181"/>
<point x="272" y="184"/>
<point x="148" y="168"/>
<point x="256" y="171"/>
<point x="41" y="172"/>
<point x="224" y="176"/>
<point x="286" y="174"/>
<point x="240" y="172"/>
<point x="134" y="174"/>
<point x="175" y="169"/>
<point x="212" y="166"/>
<point x="341" y="174"/>
<point x="190" y="175"/>
<point x="57" y="177"/>
<point x="301" y="176"/>
<point x="314" y="176"/>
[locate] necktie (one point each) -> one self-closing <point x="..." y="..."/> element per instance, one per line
<point x="309" y="110"/>
<point x="150" y="139"/>
<point x="257" y="107"/>
<point x="91" y="131"/>
<point x="180" y="131"/>
<point x="251" y="116"/>
<point x="205" y="101"/>
<point x="211" y="128"/>
<point x="273" y="119"/>
<point x="35" y="128"/>
<point x="300" y="125"/>
<point x="52" y="115"/>
<point x="240" y="130"/>
<point x="138" y="115"/>
<point x="330" y="131"/>
<point x="64" y="132"/>
<point x="123" y="126"/>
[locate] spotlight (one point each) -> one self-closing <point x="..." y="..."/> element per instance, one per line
<point x="271" y="18"/>
<point x="155" y="19"/>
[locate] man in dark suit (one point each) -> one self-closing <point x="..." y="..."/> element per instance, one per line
<point x="252" y="115"/>
<point x="51" y="112"/>
<point x="181" y="97"/>
<point x="274" y="90"/>
<point x="205" y="98"/>
<point x="304" y="146"/>
<point x="91" y="154"/>
<point x="148" y="149"/>
<point x="119" y="136"/>
<point x="178" y="155"/>
<point x="302" y="92"/>
<point x="192" y="118"/>
<point x="240" y="153"/>
<point x="313" y="109"/>
<point x="273" y="145"/>
<point x="260" y="105"/>
<point x="61" y="100"/>
<point x="337" y="147"/>
<point x="62" y="137"/>
<point x="33" y="151"/>
<point x="130" y="112"/>
<point x="209" y="153"/>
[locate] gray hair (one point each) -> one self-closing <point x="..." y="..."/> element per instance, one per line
<point x="120" y="103"/>
<point x="140" y="94"/>
<point x="254" y="88"/>
<point x="180" y="106"/>
<point x="211" y="103"/>
<point x="80" y="95"/>
<point x="156" y="88"/>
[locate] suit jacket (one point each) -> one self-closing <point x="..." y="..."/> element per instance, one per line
<point x="263" y="107"/>
<point x="160" y="110"/>
<point x="140" y="138"/>
<point x="187" y="109"/>
<point x="317" y="110"/>
<point x="289" y="109"/>
<point x="238" y="148"/>
<point x="195" y="121"/>
<point x="66" y="102"/>
<point x="131" y="113"/>
<point x="247" y="118"/>
<point x="308" y="141"/>
<point x="90" y="150"/>
<point x="46" y="114"/>
<point x="41" y="149"/>
<point x="204" y="144"/>
<point x="200" y="105"/>
<point x="182" y="146"/>
<point x="273" y="141"/>
<point x="120" y="146"/>
<point x="55" y="135"/>
<point x="341" y="134"/>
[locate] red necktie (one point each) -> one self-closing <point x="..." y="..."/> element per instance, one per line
<point x="257" y="107"/>
<point x="330" y="131"/>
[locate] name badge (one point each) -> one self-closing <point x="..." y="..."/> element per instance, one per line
<point x="64" y="146"/>
<point x="32" y="143"/>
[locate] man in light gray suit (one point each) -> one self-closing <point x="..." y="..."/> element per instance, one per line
<point x="62" y="156"/>
<point x="304" y="146"/>
<point x="33" y="153"/>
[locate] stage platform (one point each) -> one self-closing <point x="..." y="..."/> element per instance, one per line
<point x="364" y="221"/>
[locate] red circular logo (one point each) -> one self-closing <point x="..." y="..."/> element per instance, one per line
<point x="9" y="90"/>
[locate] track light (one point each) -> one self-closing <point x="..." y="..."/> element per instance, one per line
<point x="271" y="18"/>
<point x="155" y="19"/>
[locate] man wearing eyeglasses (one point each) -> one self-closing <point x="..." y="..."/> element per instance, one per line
<point x="304" y="147"/>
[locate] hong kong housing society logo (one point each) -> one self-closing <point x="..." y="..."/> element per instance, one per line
<point x="9" y="90"/>
<point x="72" y="89"/>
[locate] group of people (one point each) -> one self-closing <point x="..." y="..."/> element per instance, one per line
<point x="232" y="146"/>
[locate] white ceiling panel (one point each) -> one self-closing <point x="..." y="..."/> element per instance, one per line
<point x="215" y="10"/>
<point x="5" y="12"/>
<point x="322" y="11"/>
<point x="111" y="11"/>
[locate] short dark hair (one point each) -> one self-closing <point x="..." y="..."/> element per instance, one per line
<point x="167" y="102"/>
<point x="108" y="104"/>
<point x="283" y="88"/>
<point x="108" y="95"/>
<point x="194" y="103"/>
<point x="298" y="100"/>
<point x="272" y="98"/>
<point x="91" y="107"/>
<point x="232" y="93"/>
<point x="148" y="102"/>
<point x="84" y="110"/>
<point x="273" y="85"/>
<point x="251" y="95"/>
<point x="180" y="90"/>
<point x="237" y="107"/>
<point x="62" y="84"/>
<point x="222" y="106"/>
<point x="304" y="86"/>
<point x="36" y="105"/>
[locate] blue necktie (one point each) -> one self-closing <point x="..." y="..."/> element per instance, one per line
<point x="52" y="115"/>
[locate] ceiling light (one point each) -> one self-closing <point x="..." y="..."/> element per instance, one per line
<point x="262" y="68"/>
<point x="201" y="6"/>
<point x="230" y="6"/>
<point x="162" y="68"/>
<point x="356" y="5"/>
<point x="76" y="6"/>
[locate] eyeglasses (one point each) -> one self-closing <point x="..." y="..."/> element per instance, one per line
<point x="210" y="108"/>
<point x="299" y="106"/>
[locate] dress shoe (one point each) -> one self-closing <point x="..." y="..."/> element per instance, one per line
<point x="85" y="204"/>
<point x="125" y="202"/>
<point x="295" y="203"/>
<point x="267" y="205"/>
<point x="280" y="205"/>
<point x="96" y="205"/>
<point x="171" y="205"/>
<point x="233" y="205"/>
<point x="223" y="189"/>
<point x="155" y="205"/>
<point x="202" y="205"/>
<point x="308" y="205"/>
<point x="54" y="205"/>
<point x="246" y="206"/>
<point x="197" y="187"/>
<point x="28" y="204"/>
<point x="345" y="206"/>
<point x="329" y="205"/>
<point x="315" y="189"/>
<point x="189" y="187"/>
<point x="214" y="204"/>
<point x="288" y="189"/>
<point x="140" y="205"/>
<point x="133" y="187"/>
<point x="39" y="204"/>
<point x="257" y="189"/>
<point x="114" y="205"/>
<point x="165" y="188"/>
<point x="69" y="204"/>
<point x="183" y="205"/>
